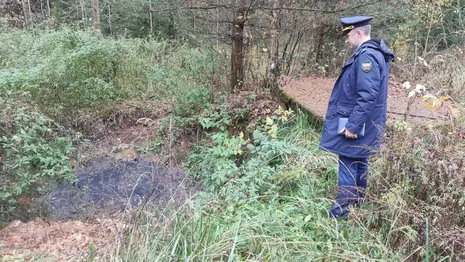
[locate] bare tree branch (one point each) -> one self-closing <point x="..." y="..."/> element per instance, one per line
<point x="304" y="9"/>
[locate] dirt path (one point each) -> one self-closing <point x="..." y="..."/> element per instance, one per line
<point x="313" y="94"/>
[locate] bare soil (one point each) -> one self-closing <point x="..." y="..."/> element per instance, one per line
<point x="313" y="93"/>
<point x="59" y="241"/>
<point x="107" y="186"/>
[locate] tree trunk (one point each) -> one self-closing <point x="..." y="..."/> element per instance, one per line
<point x="322" y="34"/>
<point x="237" y="56"/>
<point x="25" y="4"/>
<point x="110" y="27"/>
<point x="275" y="61"/>
<point x="29" y="11"/>
<point x="150" y="19"/>
<point x="96" y="16"/>
<point x="171" y="26"/>
<point x="275" y="24"/>
<point x="42" y="8"/>
<point x="289" y="55"/>
<point x="83" y="13"/>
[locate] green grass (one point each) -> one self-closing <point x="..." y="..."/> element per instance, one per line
<point x="289" y="221"/>
<point x="289" y="224"/>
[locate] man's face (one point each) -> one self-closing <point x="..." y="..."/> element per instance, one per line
<point x="353" y="38"/>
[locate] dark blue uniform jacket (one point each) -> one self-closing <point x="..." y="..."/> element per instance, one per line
<point x="360" y="94"/>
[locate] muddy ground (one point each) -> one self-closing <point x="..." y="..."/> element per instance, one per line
<point x="94" y="212"/>
<point x="114" y="182"/>
<point x="106" y="186"/>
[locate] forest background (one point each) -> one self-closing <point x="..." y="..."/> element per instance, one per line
<point x="209" y="72"/>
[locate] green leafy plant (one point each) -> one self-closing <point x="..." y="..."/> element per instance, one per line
<point x="240" y="168"/>
<point x="34" y="151"/>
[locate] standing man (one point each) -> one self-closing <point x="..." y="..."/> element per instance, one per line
<point x="356" y="116"/>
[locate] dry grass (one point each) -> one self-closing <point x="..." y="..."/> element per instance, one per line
<point x="418" y="198"/>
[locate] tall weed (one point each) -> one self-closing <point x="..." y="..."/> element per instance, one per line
<point x="79" y="78"/>
<point x="443" y="73"/>
<point x="420" y="190"/>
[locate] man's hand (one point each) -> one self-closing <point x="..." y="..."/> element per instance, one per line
<point x="348" y="134"/>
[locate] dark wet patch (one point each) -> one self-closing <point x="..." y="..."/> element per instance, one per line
<point x="106" y="186"/>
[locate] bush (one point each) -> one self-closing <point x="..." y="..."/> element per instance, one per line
<point x="443" y="74"/>
<point x="34" y="151"/>
<point x="239" y="168"/>
<point x="75" y="71"/>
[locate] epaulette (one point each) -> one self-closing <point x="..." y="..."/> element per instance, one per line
<point x="361" y="51"/>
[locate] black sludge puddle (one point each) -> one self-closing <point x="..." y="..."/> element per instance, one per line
<point x="105" y="186"/>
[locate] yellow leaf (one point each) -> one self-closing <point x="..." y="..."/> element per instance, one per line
<point x="265" y="49"/>
<point x="269" y="121"/>
<point x="273" y="132"/>
<point x="432" y="102"/>
<point x="444" y="98"/>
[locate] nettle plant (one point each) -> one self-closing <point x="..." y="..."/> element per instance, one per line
<point x="243" y="165"/>
<point x="33" y="152"/>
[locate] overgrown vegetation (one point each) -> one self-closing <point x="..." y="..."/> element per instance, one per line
<point x="264" y="200"/>
<point x="34" y="151"/>
<point x="265" y="185"/>
<point x="71" y="84"/>
<point x="100" y="80"/>
<point x="420" y="190"/>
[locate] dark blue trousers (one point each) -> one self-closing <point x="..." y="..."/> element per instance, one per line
<point x="352" y="183"/>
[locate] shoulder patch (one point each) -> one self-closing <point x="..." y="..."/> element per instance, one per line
<point x="366" y="66"/>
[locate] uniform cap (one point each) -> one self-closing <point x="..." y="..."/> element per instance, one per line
<point x="349" y="23"/>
